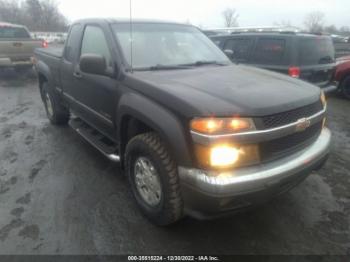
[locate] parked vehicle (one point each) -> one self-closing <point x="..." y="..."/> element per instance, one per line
<point x="195" y="134"/>
<point x="305" y="56"/>
<point x="342" y="75"/>
<point x="16" y="47"/>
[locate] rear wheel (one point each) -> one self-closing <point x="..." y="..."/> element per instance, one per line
<point x="57" y="114"/>
<point x="345" y="87"/>
<point x="154" y="180"/>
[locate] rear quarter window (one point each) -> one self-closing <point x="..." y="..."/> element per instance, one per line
<point x="269" y="51"/>
<point x="316" y="51"/>
<point x="13" y="32"/>
<point x="241" y="47"/>
<point x="72" y="43"/>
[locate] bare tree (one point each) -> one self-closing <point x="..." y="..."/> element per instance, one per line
<point x="230" y="16"/>
<point x="10" y="11"/>
<point x="331" y="29"/>
<point x="284" y="23"/>
<point x="315" y="21"/>
<point x="37" y="15"/>
<point x="345" y="30"/>
<point x="52" y="19"/>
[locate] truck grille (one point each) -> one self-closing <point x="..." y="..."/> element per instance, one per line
<point x="289" y="117"/>
<point x="287" y="145"/>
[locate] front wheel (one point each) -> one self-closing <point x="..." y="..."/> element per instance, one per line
<point x="345" y="87"/>
<point x="154" y="180"/>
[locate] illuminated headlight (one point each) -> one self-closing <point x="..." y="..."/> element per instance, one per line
<point x="323" y="99"/>
<point x="220" y="126"/>
<point x="223" y="156"/>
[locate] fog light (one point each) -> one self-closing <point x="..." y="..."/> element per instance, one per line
<point x="222" y="156"/>
<point x="226" y="156"/>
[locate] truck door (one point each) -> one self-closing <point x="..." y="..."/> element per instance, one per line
<point x="70" y="56"/>
<point x="96" y="95"/>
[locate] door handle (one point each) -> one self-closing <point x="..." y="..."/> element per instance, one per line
<point x="77" y="75"/>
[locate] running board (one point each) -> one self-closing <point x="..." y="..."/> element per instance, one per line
<point x="96" y="139"/>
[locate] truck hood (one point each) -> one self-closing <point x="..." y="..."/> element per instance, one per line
<point x="224" y="91"/>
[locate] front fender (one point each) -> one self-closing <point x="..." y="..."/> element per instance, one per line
<point x="164" y="122"/>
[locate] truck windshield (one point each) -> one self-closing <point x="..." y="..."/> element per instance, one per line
<point x="316" y="50"/>
<point x="13" y="32"/>
<point x="157" y="45"/>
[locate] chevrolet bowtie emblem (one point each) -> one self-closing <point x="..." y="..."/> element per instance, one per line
<point x="302" y="124"/>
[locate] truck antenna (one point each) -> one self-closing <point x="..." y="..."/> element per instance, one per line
<point x="131" y="39"/>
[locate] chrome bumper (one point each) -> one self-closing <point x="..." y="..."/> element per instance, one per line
<point x="257" y="178"/>
<point x="330" y="89"/>
<point x="7" y="62"/>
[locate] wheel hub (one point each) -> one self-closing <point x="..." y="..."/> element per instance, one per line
<point x="48" y="103"/>
<point x="147" y="181"/>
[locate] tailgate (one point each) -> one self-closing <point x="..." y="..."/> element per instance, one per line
<point x="320" y="75"/>
<point x="18" y="49"/>
<point x="316" y="59"/>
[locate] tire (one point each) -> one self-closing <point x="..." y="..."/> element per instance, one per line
<point x="149" y="147"/>
<point x="345" y="87"/>
<point x="56" y="113"/>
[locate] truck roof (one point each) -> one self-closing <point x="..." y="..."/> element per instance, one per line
<point x="272" y="34"/>
<point x="5" y="24"/>
<point x="127" y="20"/>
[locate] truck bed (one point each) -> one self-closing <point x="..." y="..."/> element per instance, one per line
<point x="52" y="58"/>
<point x="56" y="52"/>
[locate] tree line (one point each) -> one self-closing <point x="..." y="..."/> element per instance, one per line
<point x="314" y="22"/>
<point x="37" y="15"/>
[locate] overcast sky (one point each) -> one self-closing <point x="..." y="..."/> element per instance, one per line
<point x="207" y="13"/>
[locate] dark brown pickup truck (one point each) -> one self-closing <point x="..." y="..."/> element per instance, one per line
<point x="195" y="134"/>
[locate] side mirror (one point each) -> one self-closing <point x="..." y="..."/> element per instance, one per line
<point x="229" y="53"/>
<point x="93" y="64"/>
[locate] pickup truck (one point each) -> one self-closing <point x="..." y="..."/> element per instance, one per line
<point x="195" y="134"/>
<point x="17" y="47"/>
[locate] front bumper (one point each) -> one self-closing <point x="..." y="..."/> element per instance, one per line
<point x="329" y="88"/>
<point x="211" y="193"/>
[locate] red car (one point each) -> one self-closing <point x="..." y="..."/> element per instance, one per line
<point x="342" y="75"/>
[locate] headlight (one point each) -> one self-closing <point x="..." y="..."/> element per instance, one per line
<point x="323" y="99"/>
<point x="222" y="156"/>
<point x="219" y="126"/>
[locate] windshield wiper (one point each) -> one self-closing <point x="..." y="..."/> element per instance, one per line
<point x="326" y="59"/>
<point x="167" y="67"/>
<point x="205" y="62"/>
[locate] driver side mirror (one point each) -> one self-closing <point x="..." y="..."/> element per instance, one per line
<point x="93" y="64"/>
<point x="229" y="53"/>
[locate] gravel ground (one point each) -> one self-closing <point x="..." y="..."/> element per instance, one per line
<point x="58" y="195"/>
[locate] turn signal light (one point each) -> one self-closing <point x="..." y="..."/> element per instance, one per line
<point x="215" y="126"/>
<point x="44" y="44"/>
<point x="294" y="72"/>
<point x="323" y="99"/>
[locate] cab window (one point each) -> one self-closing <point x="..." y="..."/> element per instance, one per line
<point x="94" y="42"/>
<point x="269" y="51"/>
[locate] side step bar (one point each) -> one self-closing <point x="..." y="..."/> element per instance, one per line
<point x="96" y="139"/>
